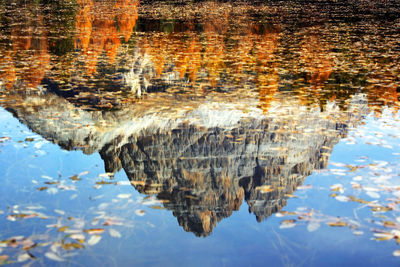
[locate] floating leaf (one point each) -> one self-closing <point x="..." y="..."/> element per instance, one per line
<point x="114" y="233"/>
<point x="51" y="183"/>
<point x="77" y="237"/>
<point x="380" y="208"/>
<point x="337" y="224"/>
<point x="373" y="194"/>
<point x="382" y="236"/>
<point x="94" y="231"/>
<point x="396" y="253"/>
<point x="42" y="188"/>
<point x="53" y="256"/>
<point x="23" y="257"/>
<point x="93" y="240"/>
<point x="72" y="245"/>
<point x="124" y="196"/>
<point x="140" y="212"/>
<point x="342" y="198"/>
<point x="102" y="182"/>
<point x="358" y="232"/>
<point x="63" y="229"/>
<point x="61" y="212"/>
<point x="287" y="224"/>
<point x="156" y="207"/>
<point x="75" y="178"/>
<point x="356" y="199"/>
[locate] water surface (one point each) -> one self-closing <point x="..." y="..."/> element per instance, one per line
<point x="204" y="133"/>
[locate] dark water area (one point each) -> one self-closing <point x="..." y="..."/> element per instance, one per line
<point x="205" y="133"/>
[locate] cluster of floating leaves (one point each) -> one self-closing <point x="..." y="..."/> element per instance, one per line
<point x="65" y="233"/>
<point x="369" y="184"/>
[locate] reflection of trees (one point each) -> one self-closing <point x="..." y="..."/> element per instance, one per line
<point x="217" y="51"/>
<point x="28" y="60"/>
<point x="100" y="26"/>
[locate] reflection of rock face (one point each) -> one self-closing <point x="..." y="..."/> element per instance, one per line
<point x="203" y="174"/>
<point x="202" y="164"/>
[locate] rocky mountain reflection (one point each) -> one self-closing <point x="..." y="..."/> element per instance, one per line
<point x="201" y="162"/>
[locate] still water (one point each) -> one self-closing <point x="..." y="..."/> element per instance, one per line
<point x="173" y="133"/>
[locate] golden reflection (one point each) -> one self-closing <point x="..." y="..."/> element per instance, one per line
<point x="28" y="59"/>
<point x="216" y="52"/>
<point x="100" y="27"/>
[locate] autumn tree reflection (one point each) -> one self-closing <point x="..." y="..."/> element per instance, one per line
<point x="100" y="27"/>
<point x="25" y="64"/>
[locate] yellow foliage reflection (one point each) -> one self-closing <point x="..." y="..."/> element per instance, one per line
<point x="100" y="27"/>
<point x="29" y="59"/>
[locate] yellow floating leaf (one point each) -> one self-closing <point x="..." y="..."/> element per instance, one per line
<point x="42" y="188"/>
<point x="63" y="229"/>
<point x="337" y="224"/>
<point x="156" y="207"/>
<point x="75" y="178"/>
<point x="94" y="231"/>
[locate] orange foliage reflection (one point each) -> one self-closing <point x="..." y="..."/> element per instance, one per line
<point x="28" y="60"/>
<point x="100" y="27"/>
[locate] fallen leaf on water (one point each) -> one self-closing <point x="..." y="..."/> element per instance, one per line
<point x="356" y="199"/>
<point x="389" y="224"/>
<point x="61" y="212"/>
<point x="396" y="253"/>
<point x="373" y="194"/>
<point x="50" y="183"/>
<point x="42" y="188"/>
<point x="53" y="256"/>
<point x="157" y="207"/>
<point x="93" y="240"/>
<point x="70" y="246"/>
<point x="114" y="233"/>
<point x="102" y="182"/>
<point x="94" y="231"/>
<point x="23" y="257"/>
<point x="13" y="217"/>
<point x="358" y="232"/>
<point x="342" y="198"/>
<point x="75" y="178"/>
<point x="63" y="229"/>
<point x="140" y="212"/>
<point x="83" y="173"/>
<point x="124" y="196"/>
<point x="382" y="236"/>
<point x="337" y="224"/>
<point x="287" y="224"/>
<point x="77" y="237"/>
<point x="380" y="209"/>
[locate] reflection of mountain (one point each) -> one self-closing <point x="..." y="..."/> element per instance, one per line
<point x="216" y="127"/>
<point x="204" y="160"/>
